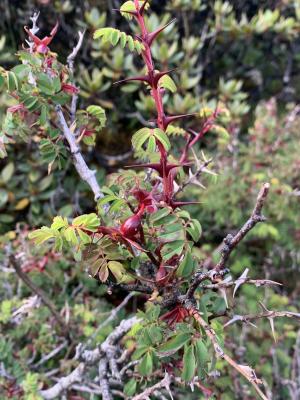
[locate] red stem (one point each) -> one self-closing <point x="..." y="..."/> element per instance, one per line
<point x="156" y="94"/>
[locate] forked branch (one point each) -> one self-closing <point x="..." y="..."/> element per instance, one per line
<point x="231" y="242"/>
<point x="247" y="372"/>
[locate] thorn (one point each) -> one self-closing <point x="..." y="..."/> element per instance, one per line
<point x="224" y="295"/>
<point x="159" y="75"/>
<point x="168" y="120"/>
<point x="240" y="281"/>
<point x="142" y="8"/>
<point x="152" y="36"/>
<point x="176" y="204"/>
<point x="159" y="168"/>
<point x="134" y="78"/>
<point x="263" y="307"/>
<point x="271" y="320"/>
<point x="134" y="13"/>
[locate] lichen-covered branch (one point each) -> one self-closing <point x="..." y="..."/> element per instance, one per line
<point x="247" y="372"/>
<point x="86" y="174"/>
<point x="164" y="383"/>
<point x="75" y="51"/>
<point x="230" y="242"/>
<point x="266" y="314"/>
<point x="38" y="291"/>
<point x="89" y="358"/>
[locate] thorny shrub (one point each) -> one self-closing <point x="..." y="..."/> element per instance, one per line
<point x="141" y="238"/>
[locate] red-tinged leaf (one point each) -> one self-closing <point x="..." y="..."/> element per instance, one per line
<point x="103" y="273"/>
<point x="135" y="244"/>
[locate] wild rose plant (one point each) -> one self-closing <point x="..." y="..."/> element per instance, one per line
<point x="141" y="238"/>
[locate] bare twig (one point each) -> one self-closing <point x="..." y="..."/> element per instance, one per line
<point x="230" y="242"/>
<point x="134" y="288"/>
<point x="34" y="29"/>
<point x="164" y="383"/>
<point x="44" y="298"/>
<point x="70" y="62"/>
<point x="73" y="55"/>
<point x="201" y="276"/>
<point x="111" y="317"/>
<point x="193" y="178"/>
<point x="88" y="357"/>
<point x="267" y="314"/>
<point x="52" y="354"/>
<point x="244" y="370"/>
<point x="104" y="384"/>
<point x="83" y="170"/>
<point x="256" y="282"/>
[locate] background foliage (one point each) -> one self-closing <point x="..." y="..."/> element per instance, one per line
<point x="244" y="54"/>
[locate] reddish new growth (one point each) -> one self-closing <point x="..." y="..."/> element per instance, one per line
<point x="178" y="314"/>
<point x="167" y="171"/>
<point x="41" y="45"/>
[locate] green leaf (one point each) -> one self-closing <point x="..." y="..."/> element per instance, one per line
<point x="172" y="249"/>
<point x="118" y="271"/>
<point x="157" y="216"/>
<point x="155" y="333"/>
<point x="175" y="343"/>
<point x="186" y="267"/>
<point x="146" y="365"/>
<point x="123" y="39"/>
<point x="45" y="84"/>
<point x="163" y="138"/>
<point x="33" y="59"/>
<point x="70" y="236"/>
<point x="130" y="387"/>
<point x="195" y="230"/>
<point x="130" y="43"/>
<point x="21" y="70"/>
<point x="12" y="81"/>
<point x="42" y="235"/>
<point x="129" y="6"/>
<point x="151" y="147"/>
<point x="115" y="36"/>
<point x="59" y="222"/>
<point x="43" y="115"/>
<point x="201" y="353"/>
<point x="189" y="364"/>
<point x="30" y="102"/>
<point x="140" y="137"/>
<point x="87" y="221"/>
<point x="99" y="113"/>
<point x="140" y="351"/>
<point x="84" y="237"/>
<point x="167" y="82"/>
<point x="8" y="172"/>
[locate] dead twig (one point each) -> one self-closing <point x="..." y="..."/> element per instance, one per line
<point x="247" y="372"/>
<point x="164" y="383"/>
<point x="231" y="242"/>
<point x="38" y="291"/>
<point x="88" y="358"/>
<point x="83" y="170"/>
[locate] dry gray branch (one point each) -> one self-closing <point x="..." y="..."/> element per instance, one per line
<point x="88" y="358"/>
<point x="104" y="384"/>
<point x="267" y="314"/>
<point x="164" y="383"/>
<point x="38" y="291"/>
<point x="230" y="242"/>
<point x="113" y="314"/>
<point x="83" y="170"/>
<point x="75" y="51"/>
